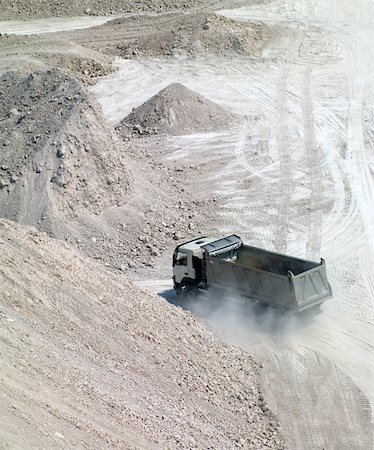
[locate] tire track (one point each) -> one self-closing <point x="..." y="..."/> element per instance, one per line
<point x="310" y="8"/>
<point x="361" y="181"/>
<point x="283" y="218"/>
<point x="314" y="158"/>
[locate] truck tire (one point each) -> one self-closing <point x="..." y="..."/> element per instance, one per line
<point x="190" y="292"/>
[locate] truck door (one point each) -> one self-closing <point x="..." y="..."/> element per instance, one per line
<point x="183" y="267"/>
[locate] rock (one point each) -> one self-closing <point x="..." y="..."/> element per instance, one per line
<point x="60" y="152"/>
<point x="148" y="263"/>
<point x="3" y="183"/>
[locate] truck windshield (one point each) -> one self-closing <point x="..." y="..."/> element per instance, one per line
<point x="181" y="259"/>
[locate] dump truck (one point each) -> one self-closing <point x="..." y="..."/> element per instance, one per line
<point x="249" y="274"/>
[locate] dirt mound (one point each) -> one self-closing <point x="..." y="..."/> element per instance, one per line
<point x="90" y="360"/>
<point x="176" y="110"/>
<point x="181" y="35"/>
<point x="58" y="159"/>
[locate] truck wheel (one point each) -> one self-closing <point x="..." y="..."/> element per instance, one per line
<point x="190" y="292"/>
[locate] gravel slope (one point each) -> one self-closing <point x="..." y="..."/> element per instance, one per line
<point x="88" y="360"/>
<point x="59" y="159"/>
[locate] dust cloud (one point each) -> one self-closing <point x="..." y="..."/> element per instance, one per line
<point x="244" y="320"/>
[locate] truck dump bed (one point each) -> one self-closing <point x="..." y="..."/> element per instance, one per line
<point x="288" y="283"/>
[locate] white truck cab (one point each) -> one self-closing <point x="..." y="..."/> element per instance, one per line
<point x="187" y="260"/>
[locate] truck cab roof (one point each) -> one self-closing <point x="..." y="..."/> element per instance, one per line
<point x="212" y="246"/>
<point x="195" y="245"/>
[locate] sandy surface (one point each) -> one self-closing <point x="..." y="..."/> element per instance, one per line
<point x="291" y="161"/>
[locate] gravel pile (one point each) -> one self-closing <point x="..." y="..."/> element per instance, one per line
<point x="89" y="360"/>
<point x="179" y="35"/>
<point x="59" y="159"/>
<point x="176" y="110"/>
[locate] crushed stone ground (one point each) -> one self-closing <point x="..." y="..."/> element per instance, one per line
<point x="89" y="358"/>
<point x="46" y="52"/>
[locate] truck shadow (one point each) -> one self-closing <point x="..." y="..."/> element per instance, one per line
<point x="170" y="296"/>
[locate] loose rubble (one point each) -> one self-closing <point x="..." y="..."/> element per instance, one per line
<point x="87" y="359"/>
<point x="101" y="362"/>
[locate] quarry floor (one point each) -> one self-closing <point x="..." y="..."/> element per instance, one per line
<point x="296" y="176"/>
